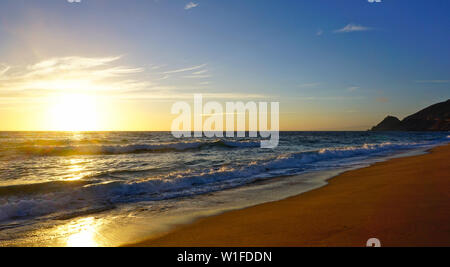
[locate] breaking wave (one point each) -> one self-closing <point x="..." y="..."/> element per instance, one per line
<point x="58" y="150"/>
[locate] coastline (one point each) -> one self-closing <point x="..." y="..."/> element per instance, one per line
<point x="400" y="205"/>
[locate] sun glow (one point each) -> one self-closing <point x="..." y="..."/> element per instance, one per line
<point x="75" y="112"/>
<point x="83" y="233"/>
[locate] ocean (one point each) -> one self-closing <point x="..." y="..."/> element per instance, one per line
<point x="109" y="188"/>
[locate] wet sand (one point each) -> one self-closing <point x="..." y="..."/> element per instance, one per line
<point x="402" y="202"/>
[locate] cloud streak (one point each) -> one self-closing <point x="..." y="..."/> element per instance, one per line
<point x="185" y="69"/>
<point x="194" y="72"/>
<point x="197" y="76"/>
<point x="4" y="69"/>
<point x="103" y="77"/>
<point x="69" y="74"/>
<point x="352" y="28"/>
<point x="191" y="5"/>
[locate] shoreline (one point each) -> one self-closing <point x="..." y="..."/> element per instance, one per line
<point x="345" y="212"/>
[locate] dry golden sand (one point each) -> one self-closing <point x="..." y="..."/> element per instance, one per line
<point x="402" y="202"/>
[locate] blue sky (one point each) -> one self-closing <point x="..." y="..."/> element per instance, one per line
<point x="333" y="65"/>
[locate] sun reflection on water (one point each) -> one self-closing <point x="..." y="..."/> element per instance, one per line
<point x="84" y="233"/>
<point x="75" y="170"/>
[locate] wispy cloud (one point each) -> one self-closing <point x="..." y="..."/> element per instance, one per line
<point x="185" y="69"/>
<point x="67" y="74"/>
<point x="319" y="33"/>
<point x="200" y="72"/>
<point x="194" y="72"/>
<point x="191" y="5"/>
<point x="352" y="28"/>
<point x="197" y="76"/>
<point x="156" y="67"/>
<point x="4" y="68"/>
<point x="180" y="95"/>
<point x="104" y="77"/>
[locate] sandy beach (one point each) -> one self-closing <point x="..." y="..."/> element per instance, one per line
<point x="402" y="202"/>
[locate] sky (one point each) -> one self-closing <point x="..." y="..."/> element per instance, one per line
<point x="121" y="64"/>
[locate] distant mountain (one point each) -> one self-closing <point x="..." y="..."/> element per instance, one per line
<point x="388" y="124"/>
<point x="433" y="118"/>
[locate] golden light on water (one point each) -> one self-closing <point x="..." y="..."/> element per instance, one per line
<point x="83" y="233"/>
<point x="75" y="170"/>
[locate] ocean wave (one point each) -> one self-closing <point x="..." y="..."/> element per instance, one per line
<point x="71" y="197"/>
<point x="41" y="150"/>
<point x="40" y="188"/>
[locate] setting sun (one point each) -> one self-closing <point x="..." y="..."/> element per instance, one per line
<point x="74" y="112"/>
